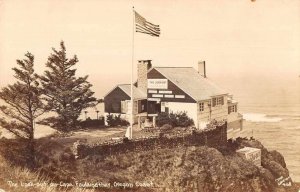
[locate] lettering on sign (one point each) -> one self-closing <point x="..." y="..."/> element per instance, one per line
<point x="180" y="96"/>
<point x="152" y="91"/>
<point x="165" y="91"/>
<point x="157" y="95"/>
<point x="154" y="99"/>
<point x="157" y="83"/>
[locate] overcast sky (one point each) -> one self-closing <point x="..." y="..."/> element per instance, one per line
<point x="237" y="38"/>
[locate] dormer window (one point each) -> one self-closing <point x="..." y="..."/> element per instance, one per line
<point x="217" y="101"/>
<point x="232" y="109"/>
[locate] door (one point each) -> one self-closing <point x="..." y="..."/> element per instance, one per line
<point x="153" y="107"/>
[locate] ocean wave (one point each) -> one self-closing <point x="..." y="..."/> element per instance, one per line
<point x="259" y="117"/>
<point x="293" y="128"/>
<point x="296" y="115"/>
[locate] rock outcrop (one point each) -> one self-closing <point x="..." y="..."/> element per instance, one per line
<point x="199" y="169"/>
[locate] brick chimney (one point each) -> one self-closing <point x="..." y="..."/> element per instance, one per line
<point x="143" y="67"/>
<point x="202" y="68"/>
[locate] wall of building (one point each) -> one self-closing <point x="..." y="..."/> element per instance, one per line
<point x="234" y="124"/>
<point x="126" y="115"/>
<point x="219" y="112"/>
<point x="235" y="120"/>
<point x="172" y="89"/>
<point x="112" y="101"/>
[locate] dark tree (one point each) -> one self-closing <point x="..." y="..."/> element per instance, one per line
<point x="65" y="94"/>
<point x="23" y="104"/>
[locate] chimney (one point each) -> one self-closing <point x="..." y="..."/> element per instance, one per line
<point x="202" y="68"/>
<point x="143" y="67"/>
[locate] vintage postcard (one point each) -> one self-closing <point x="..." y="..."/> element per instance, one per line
<point x="124" y="95"/>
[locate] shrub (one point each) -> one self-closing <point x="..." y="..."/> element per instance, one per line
<point x="92" y="123"/>
<point x="179" y="119"/>
<point x="109" y="119"/>
<point x="115" y="120"/>
<point x="165" y="128"/>
<point x="15" y="152"/>
<point x="183" y="120"/>
<point x="173" y="119"/>
<point x="162" y="119"/>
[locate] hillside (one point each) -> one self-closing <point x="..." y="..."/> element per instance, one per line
<point x="179" y="169"/>
<point x="194" y="169"/>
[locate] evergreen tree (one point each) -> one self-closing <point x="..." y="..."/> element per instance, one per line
<point x="22" y="104"/>
<point x="65" y="94"/>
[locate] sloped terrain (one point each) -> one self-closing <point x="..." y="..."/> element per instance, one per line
<point x="178" y="169"/>
<point x="194" y="169"/>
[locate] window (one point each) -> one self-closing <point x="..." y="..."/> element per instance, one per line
<point x="232" y="109"/>
<point x="218" y="101"/>
<point x="142" y="106"/>
<point x="163" y="106"/>
<point x="201" y="106"/>
<point x="123" y="107"/>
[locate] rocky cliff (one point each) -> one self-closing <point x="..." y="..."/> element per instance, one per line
<point x="182" y="168"/>
<point x="196" y="169"/>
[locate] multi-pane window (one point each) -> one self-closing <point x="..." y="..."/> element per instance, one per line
<point x="232" y="109"/>
<point x="201" y="106"/>
<point x="123" y="106"/>
<point x="218" y="101"/>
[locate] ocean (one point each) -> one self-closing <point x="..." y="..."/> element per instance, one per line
<point x="271" y="112"/>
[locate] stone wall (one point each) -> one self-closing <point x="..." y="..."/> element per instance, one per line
<point x="214" y="136"/>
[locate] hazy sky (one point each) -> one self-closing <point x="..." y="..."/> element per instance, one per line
<point x="237" y="38"/>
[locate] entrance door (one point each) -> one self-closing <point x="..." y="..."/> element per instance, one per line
<point x="157" y="108"/>
<point x="153" y="107"/>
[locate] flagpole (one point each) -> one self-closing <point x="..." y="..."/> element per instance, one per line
<point x="132" y="63"/>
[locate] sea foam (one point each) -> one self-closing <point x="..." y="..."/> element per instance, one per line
<point x="259" y="117"/>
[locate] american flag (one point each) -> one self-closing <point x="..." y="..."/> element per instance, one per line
<point x="143" y="26"/>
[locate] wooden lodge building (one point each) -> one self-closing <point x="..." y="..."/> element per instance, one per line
<point x="174" y="89"/>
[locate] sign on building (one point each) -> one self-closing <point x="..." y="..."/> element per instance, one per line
<point x="157" y="83"/>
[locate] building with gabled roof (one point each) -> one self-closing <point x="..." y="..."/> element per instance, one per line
<point x="191" y="82"/>
<point x="174" y="89"/>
